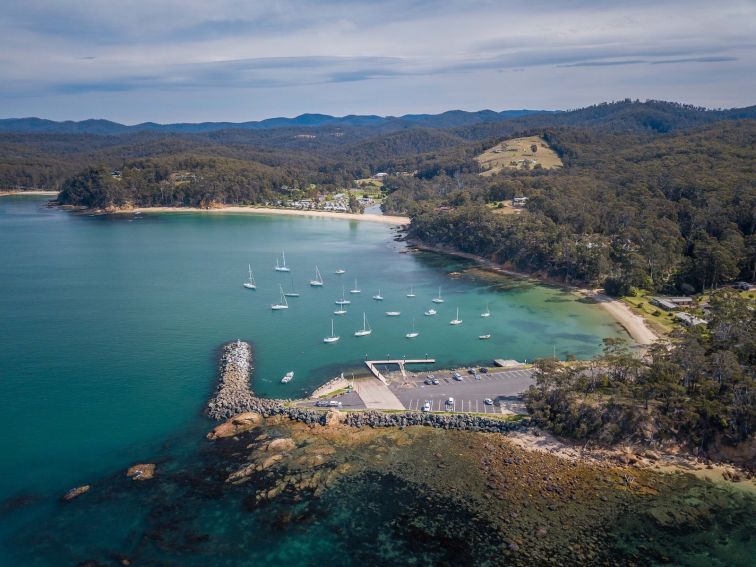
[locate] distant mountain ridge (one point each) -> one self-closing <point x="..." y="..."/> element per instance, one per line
<point x="449" y="119"/>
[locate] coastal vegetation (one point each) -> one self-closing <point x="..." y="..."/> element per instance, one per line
<point x="699" y="392"/>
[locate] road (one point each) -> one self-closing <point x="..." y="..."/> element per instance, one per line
<point x="503" y="387"/>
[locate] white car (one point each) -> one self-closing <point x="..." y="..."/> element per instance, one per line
<point x="450" y="402"/>
<point x="426" y="406"/>
<point x="488" y="401"/>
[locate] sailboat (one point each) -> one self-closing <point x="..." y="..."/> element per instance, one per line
<point x="484" y="337"/>
<point x="355" y="289"/>
<point x="282" y="304"/>
<point x="438" y="299"/>
<point x="378" y="296"/>
<point x="342" y="301"/>
<point x="487" y="312"/>
<point x="250" y="283"/>
<point x="431" y="312"/>
<point x="340" y="271"/>
<point x="292" y="293"/>
<point x="366" y="330"/>
<point x="282" y="267"/>
<point x="412" y="292"/>
<point x="340" y="311"/>
<point x="333" y="338"/>
<point x="288" y="377"/>
<point x="414" y="333"/>
<point x="456" y="320"/>
<point x="318" y="281"/>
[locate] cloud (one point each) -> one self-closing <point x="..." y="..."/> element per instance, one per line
<point x="277" y="51"/>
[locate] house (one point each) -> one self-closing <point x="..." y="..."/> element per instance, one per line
<point x="380" y="175"/>
<point x="689" y="320"/>
<point x="671" y="303"/>
<point x="519" y="201"/>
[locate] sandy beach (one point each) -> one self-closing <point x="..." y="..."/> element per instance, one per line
<point x="35" y="192"/>
<point x="386" y="219"/>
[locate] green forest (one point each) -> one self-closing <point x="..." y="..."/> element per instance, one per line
<point x="701" y="393"/>
<point x="653" y="196"/>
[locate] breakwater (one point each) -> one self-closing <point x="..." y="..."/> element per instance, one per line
<point x="234" y="396"/>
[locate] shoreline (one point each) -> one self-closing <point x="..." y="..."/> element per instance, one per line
<point x="634" y="325"/>
<point x="385" y="219"/>
<point x="34" y="192"/>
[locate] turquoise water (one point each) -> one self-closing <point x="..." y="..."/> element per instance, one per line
<point x="110" y="326"/>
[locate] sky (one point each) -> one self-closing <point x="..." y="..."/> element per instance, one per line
<point x="239" y="60"/>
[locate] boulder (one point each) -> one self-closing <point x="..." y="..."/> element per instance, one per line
<point x="75" y="492"/>
<point x="235" y="425"/>
<point x="283" y="444"/>
<point x="142" y="471"/>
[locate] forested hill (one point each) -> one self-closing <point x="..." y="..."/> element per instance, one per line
<point x="452" y="118"/>
<point x="671" y="212"/>
<point x="651" y="194"/>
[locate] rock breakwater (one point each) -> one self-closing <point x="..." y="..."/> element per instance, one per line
<point x="233" y="396"/>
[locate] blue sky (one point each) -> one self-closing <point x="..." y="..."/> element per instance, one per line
<point x="236" y="60"/>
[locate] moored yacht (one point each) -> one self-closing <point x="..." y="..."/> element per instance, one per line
<point x="413" y="333"/>
<point x="342" y="301"/>
<point x="487" y="312"/>
<point x="292" y="293"/>
<point x="333" y="338"/>
<point x="366" y="330"/>
<point x="318" y="281"/>
<point x="378" y="296"/>
<point x="355" y="289"/>
<point x="288" y="377"/>
<point x="438" y="299"/>
<point x="412" y="292"/>
<point x="456" y="320"/>
<point x="484" y="337"/>
<point x="431" y="312"/>
<point x="282" y="304"/>
<point x="393" y="313"/>
<point x="250" y="283"/>
<point x="282" y="267"/>
<point x="340" y="271"/>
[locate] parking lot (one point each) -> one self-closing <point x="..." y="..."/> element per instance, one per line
<point x="502" y="387"/>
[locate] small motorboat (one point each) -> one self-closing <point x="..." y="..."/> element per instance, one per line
<point x="484" y="337"/>
<point x="288" y="377"/>
<point x="340" y="271"/>
<point x="393" y="313"/>
<point x="431" y="312"/>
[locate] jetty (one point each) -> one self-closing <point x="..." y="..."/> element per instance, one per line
<point x="401" y="362"/>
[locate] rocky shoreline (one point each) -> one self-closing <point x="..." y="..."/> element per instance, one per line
<point x="233" y="396"/>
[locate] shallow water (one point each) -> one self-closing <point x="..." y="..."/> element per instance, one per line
<point x="110" y="327"/>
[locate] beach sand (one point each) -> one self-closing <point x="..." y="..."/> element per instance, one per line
<point x="386" y="219"/>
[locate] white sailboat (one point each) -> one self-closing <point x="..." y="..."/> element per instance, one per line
<point x="342" y="301"/>
<point x="438" y="299"/>
<point x="282" y="267"/>
<point x="484" y="337"/>
<point x="292" y="293"/>
<point x="366" y="330"/>
<point x="318" y="281"/>
<point x="288" y="377"/>
<point x="355" y="289"/>
<point x="431" y="312"/>
<point x="281" y="304"/>
<point x="333" y="338"/>
<point x="250" y="283"/>
<point x="393" y="313"/>
<point x="340" y="311"/>
<point x="340" y="271"/>
<point x="412" y="292"/>
<point x="487" y="312"/>
<point x="456" y="320"/>
<point x="378" y="296"/>
<point x="414" y="333"/>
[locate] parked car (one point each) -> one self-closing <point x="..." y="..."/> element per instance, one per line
<point x="450" y="402"/>
<point x="488" y="401"/>
<point x="471" y="371"/>
<point x="334" y="404"/>
<point x="483" y="370"/>
<point x="436" y="382"/>
<point x="426" y="406"/>
<point x="457" y="376"/>
<point x="428" y="381"/>
<point x="477" y="376"/>
<point x="321" y="404"/>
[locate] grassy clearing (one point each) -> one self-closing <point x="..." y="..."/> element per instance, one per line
<point x="660" y="321"/>
<point x="517" y="153"/>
